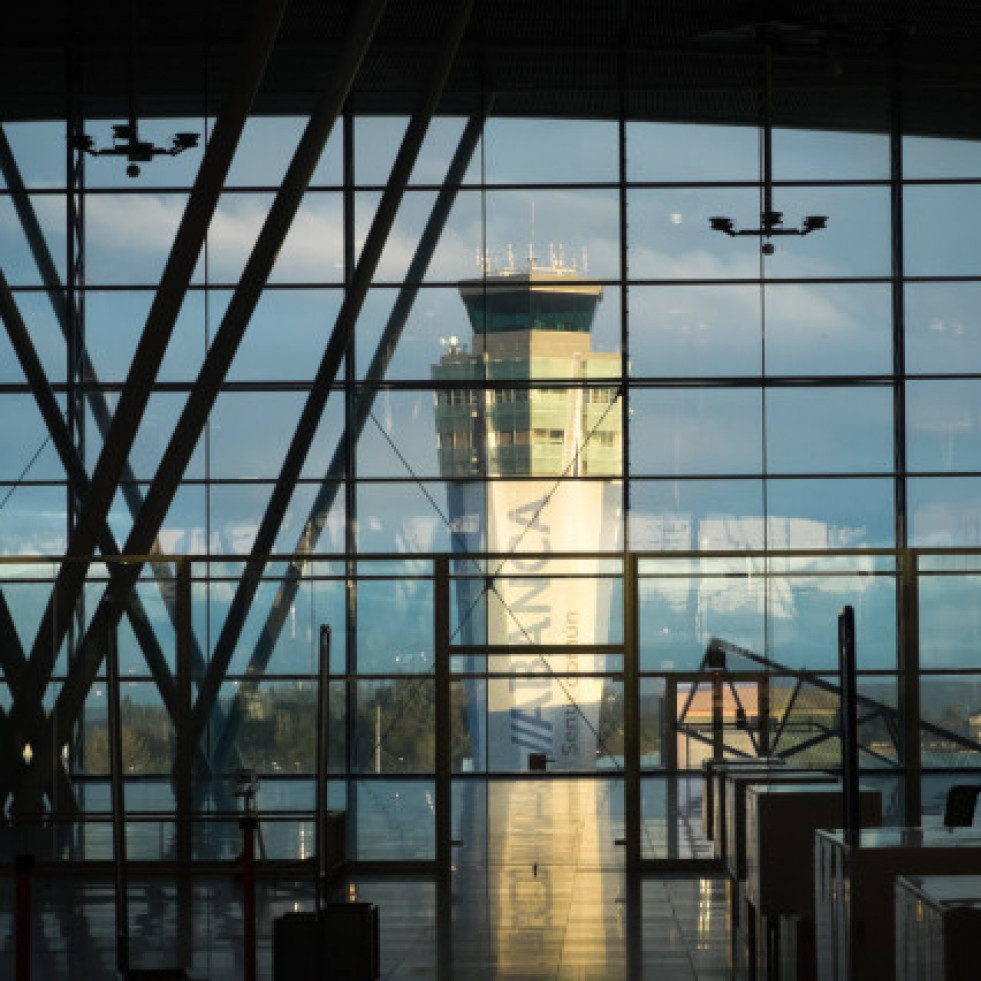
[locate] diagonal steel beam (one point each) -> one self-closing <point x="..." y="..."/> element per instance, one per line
<point x="101" y="413"/>
<point x="98" y="405"/>
<point x="382" y="358"/>
<point x="78" y="480"/>
<point x="188" y="242"/>
<point x="12" y="660"/>
<point x="327" y="372"/>
<point x="11" y="653"/>
<point x="215" y="367"/>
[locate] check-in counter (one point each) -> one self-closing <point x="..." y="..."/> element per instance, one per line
<point x="855" y="882"/>
<point x="713" y="773"/>
<point x="736" y="784"/>
<point x="938" y="927"/>
<point x="781" y="819"/>
<point x="781" y="822"/>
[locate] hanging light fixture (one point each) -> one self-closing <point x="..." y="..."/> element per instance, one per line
<point x="771" y="221"/>
<point x="126" y="141"/>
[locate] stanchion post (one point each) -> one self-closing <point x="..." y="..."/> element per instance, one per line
<point x="23" y="866"/>
<point x="849" y="720"/>
<point x="248" y="826"/>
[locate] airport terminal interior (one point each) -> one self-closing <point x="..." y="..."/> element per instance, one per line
<point x="490" y="489"/>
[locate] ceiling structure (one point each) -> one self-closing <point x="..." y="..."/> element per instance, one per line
<point x="835" y="61"/>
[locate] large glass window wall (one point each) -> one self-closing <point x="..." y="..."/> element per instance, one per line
<point x="722" y="409"/>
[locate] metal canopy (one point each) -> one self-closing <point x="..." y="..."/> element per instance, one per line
<point x="676" y="59"/>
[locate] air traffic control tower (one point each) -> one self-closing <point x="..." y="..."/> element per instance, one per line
<point x="530" y="446"/>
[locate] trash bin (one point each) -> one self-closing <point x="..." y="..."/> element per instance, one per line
<point x="296" y="943"/>
<point x="351" y="945"/>
<point x="340" y="943"/>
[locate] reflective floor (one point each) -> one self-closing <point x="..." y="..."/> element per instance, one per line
<point x="537" y="891"/>
<point x="566" y="924"/>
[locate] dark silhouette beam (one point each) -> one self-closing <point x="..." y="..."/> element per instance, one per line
<point x="216" y="364"/>
<point x="189" y="240"/>
<point x="102" y="415"/>
<point x="382" y="358"/>
<point x="327" y="372"/>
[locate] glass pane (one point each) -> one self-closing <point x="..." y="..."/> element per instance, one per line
<point x="114" y="323"/>
<point x="940" y="235"/>
<point x="654" y="717"/>
<point x="828" y="329"/>
<point x="670" y="235"/>
<point x="945" y="512"/>
<point x="281" y="632"/>
<point x="26" y="450"/>
<point x="313" y="250"/>
<point x="925" y="157"/>
<point x="949" y="622"/>
<point x="38" y="149"/>
<point x="395" y="820"/>
<point x="671" y="818"/>
<point x="943" y="327"/>
<point x="128" y="237"/>
<point x="689" y="152"/>
<point x="33" y="520"/>
<point x="951" y="736"/>
<point x="455" y="254"/>
<point x="266" y="147"/>
<point x="702" y="431"/>
<point x="696" y="514"/>
<point x="855" y="243"/>
<point x="276" y="728"/>
<point x="395" y="626"/>
<point x="376" y="143"/>
<point x="468" y="725"/>
<point x="576" y="228"/>
<point x="19" y="266"/>
<point x="442" y="140"/>
<point x="148" y="732"/>
<point x="829" y="513"/>
<point x="287" y="334"/>
<point x="237" y="510"/>
<point x="809" y="726"/>
<point x="943" y="430"/>
<point x="803" y="620"/>
<point x="800" y="154"/>
<point x="562" y="606"/>
<point x="694" y="331"/>
<point x="829" y="430"/>
<point x="550" y="151"/>
<point x="399" y="438"/>
<point x="679" y="614"/>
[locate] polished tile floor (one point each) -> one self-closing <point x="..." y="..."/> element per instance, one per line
<point x="537" y="891"/>
<point x="557" y="924"/>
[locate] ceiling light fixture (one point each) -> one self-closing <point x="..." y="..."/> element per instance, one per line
<point x="771" y="221"/>
<point x="126" y="140"/>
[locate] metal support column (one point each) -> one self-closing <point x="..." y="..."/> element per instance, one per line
<point x="847" y="671"/>
<point x="444" y="761"/>
<point x="346" y="471"/>
<point x="183" y="748"/>
<point x="631" y="714"/>
<point x="323" y="752"/>
<point x="117" y="794"/>
<point x="909" y="688"/>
